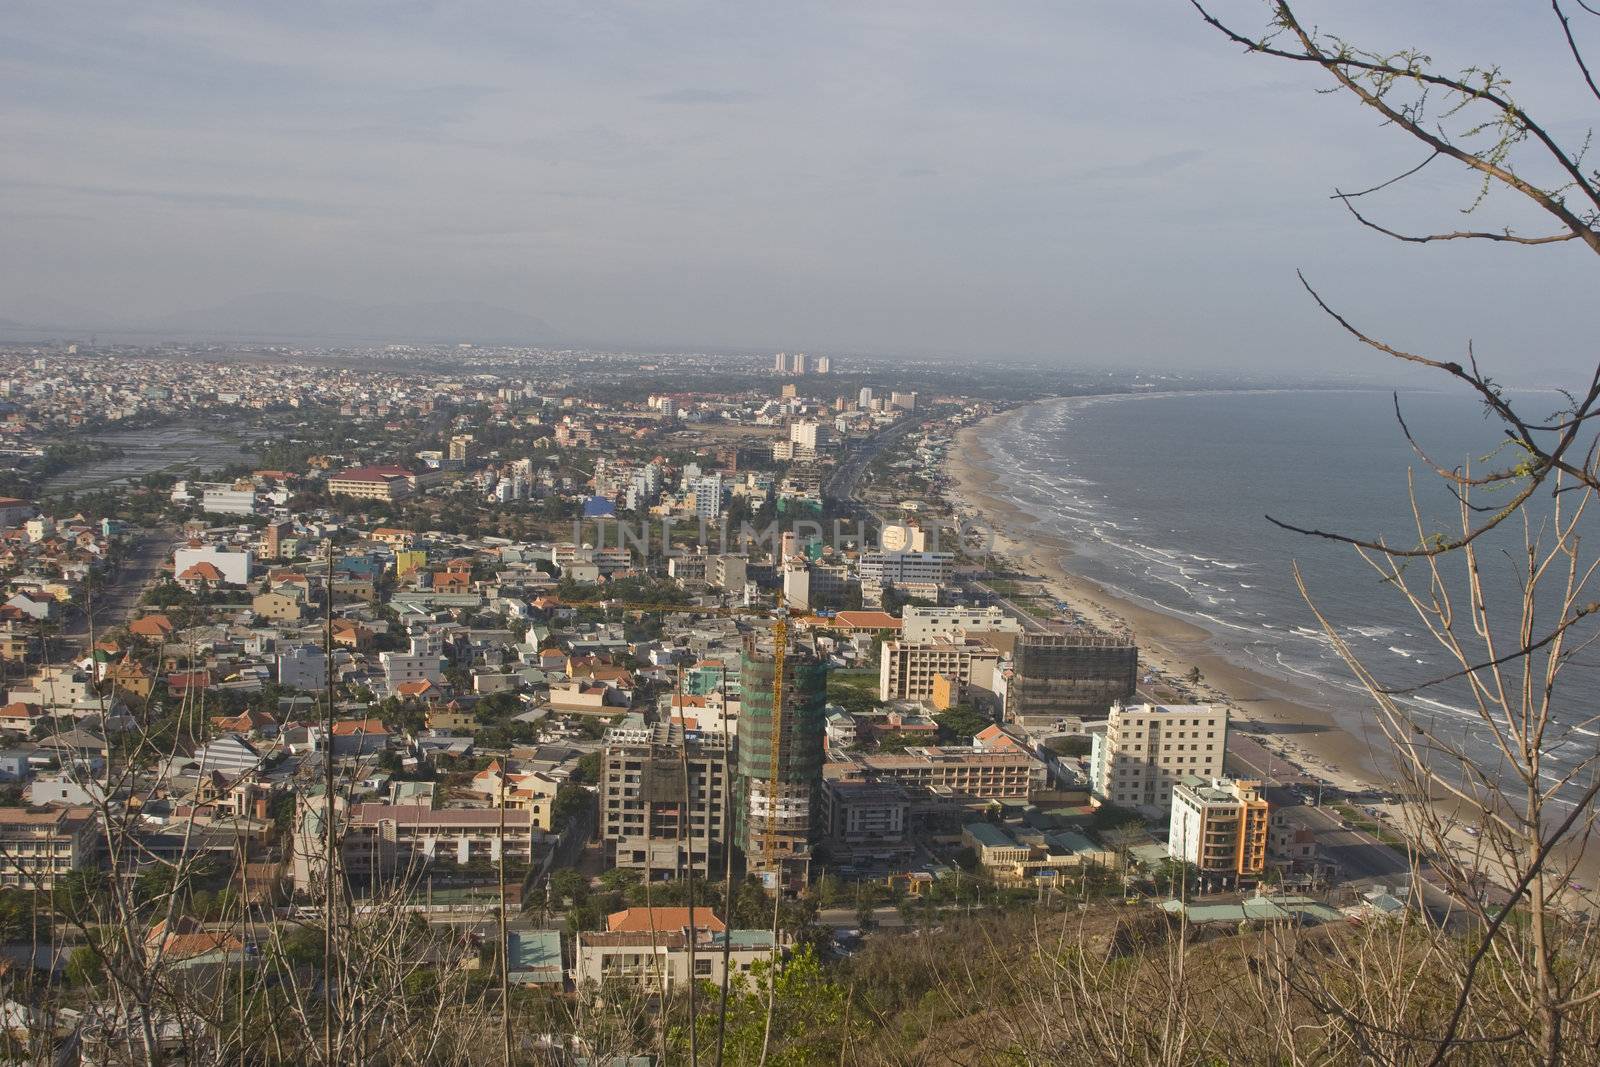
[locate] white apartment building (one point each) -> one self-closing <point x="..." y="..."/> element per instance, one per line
<point x="808" y="433"/>
<point x="1146" y="748"/>
<point x="709" y="493"/>
<point x="227" y="499"/>
<point x="900" y="568"/>
<point x="303" y="667"/>
<point x="906" y="669"/>
<point x="424" y="663"/>
<point x="922" y="623"/>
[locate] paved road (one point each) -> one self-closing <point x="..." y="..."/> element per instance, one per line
<point x="116" y="601"/>
<point x="842" y="483"/>
<point x="1359" y="854"/>
<point x="885" y="915"/>
<point x="1249" y="758"/>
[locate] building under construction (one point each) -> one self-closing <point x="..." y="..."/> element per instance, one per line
<point x="663" y="798"/>
<point x="780" y="755"/>
<point x="1078" y="673"/>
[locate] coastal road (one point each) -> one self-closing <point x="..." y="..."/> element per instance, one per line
<point x="1248" y="758"/>
<point x="842" y="483"/>
<point x="1360" y="855"/>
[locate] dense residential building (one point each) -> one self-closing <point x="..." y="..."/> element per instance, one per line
<point x="1220" y="826"/>
<point x="39" y="846"/>
<point x="423" y="663"/>
<point x="390" y="840"/>
<point x="1144" y="750"/>
<point x="908" y="670"/>
<point x="664" y="797"/>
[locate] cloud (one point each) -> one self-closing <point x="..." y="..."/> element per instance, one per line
<point x="889" y="177"/>
<point x="1154" y="167"/>
<point x="703" y="96"/>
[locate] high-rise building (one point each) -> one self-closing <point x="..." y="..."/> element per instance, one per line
<point x="1146" y="748"/>
<point x="903" y="401"/>
<point x="1220" y="826"/>
<point x="655" y="815"/>
<point x="797" y="363"/>
<point x="775" y="814"/>
<point x="808" y="433"/>
<point x="461" y="448"/>
<point x="865" y="400"/>
<point x="1080" y="673"/>
<point x="780" y="363"/>
<point x="824" y="364"/>
<point x="709" y="493"/>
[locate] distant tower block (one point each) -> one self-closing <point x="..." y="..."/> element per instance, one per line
<point x="824" y="364"/>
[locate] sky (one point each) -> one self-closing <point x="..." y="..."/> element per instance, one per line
<point x="1104" y="183"/>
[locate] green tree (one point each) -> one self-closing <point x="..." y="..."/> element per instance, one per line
<point x="961" y="722"/>
<point x="569" y="886"/>
<point x="808" y="1015"/>
<point x="84" y="968"/>
<point x="572" y="800"/>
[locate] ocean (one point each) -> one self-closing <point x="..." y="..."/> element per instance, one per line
<point x="1163" y="499"/>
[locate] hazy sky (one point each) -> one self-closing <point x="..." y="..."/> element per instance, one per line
<point x="1099" y="181"/>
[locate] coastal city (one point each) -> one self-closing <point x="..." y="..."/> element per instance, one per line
<point x="613" y="686"/>
<point x="816" y="535"/>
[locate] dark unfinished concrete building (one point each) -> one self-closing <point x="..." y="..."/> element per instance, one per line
<point x="1077" y="673"/>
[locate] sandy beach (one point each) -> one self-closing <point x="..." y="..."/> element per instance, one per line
<point x="1287" y="718"/>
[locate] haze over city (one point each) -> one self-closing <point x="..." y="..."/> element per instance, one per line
<point x="908" y="533"/>
<point x="1103" y="183"/>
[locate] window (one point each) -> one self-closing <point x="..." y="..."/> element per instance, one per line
<point x="702" y="968"/>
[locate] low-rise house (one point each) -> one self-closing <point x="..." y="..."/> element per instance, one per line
<point x="20" y="717"/>
<point x="651" y="952"/>
<point x="130" y="676"/>
<point x="533" y="957"/>
<point x="451" y="718"/>
<point x="152" y="627"/>
<point x="359" y="737"/>
<point x="281" y="605"/>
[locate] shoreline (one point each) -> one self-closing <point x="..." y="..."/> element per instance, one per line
<point x="1280" y="714"/>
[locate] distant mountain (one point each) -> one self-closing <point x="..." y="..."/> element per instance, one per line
<point x="307" y="316"/>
